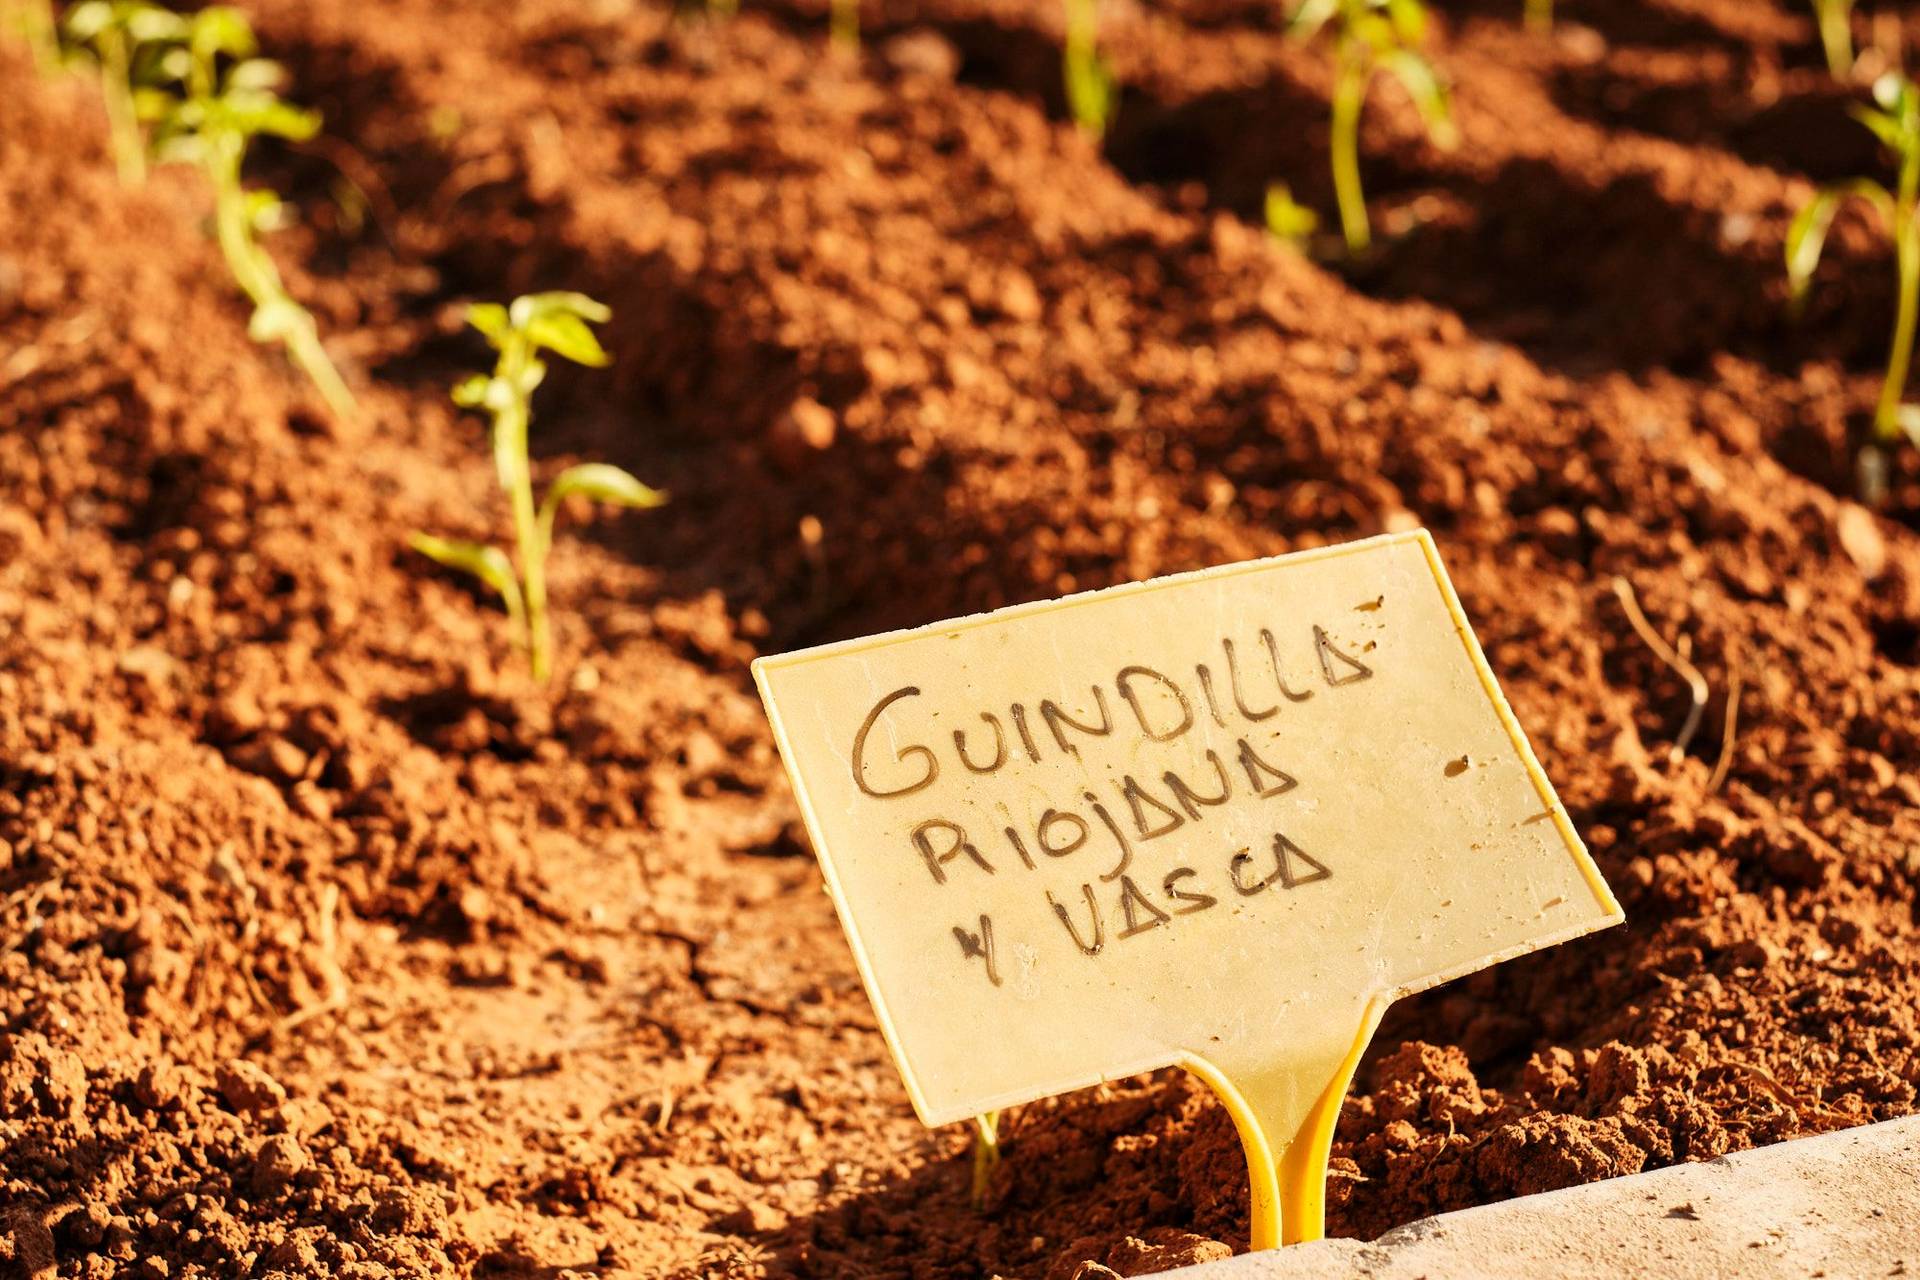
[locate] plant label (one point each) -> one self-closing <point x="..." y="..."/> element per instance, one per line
<point x="1219" y="820"/>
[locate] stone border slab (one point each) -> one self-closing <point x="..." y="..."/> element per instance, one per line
<point x="1841" y="1204"/>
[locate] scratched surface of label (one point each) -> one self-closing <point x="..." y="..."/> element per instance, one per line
<point x="1201" y="816"/>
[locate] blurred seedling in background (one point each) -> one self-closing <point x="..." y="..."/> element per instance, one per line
<point x="1896" y="122"/>
<point x="33" y="22"/>
<point x="556" y="322"/>
<point x="1540" y="16"/>
<point x="123" y="41"/>
<point x="1091" y="92"/>
<point x="843" y="27"/>
<point x="1289" y="221"/>
<point x="220" y="97"/>
<point x="1371" y="36"/>
<point x="1835" y="20"/>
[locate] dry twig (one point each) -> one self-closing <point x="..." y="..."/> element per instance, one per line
<point x="1696" y="682"/>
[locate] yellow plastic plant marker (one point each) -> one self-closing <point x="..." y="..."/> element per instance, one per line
<point x="1219" y="820"/>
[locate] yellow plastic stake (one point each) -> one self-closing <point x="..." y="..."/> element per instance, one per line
<point x="1286" y="1110"/>
<point x="1220" y="820"/>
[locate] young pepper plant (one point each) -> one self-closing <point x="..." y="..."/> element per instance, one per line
<point x="1091" y="92"/>
<point x="1540" y="16"/>
<point x="222" y="98"/>
<point x="1896" y="122"/>
<point x="1371" y="36"/>
<point x="556" y="322"/>
<point x="120" y="39"/>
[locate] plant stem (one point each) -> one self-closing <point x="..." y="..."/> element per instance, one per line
<point x="1349" y="94"/>
<point x="123" y="125"/>
<point x="533" y="566"/>
<point x="259" y="279"/>
<point x="1906" y="241"/>
<point x="1540" y="15"/>
<point x="510" y="424"/>
<point x="986" y="1155"/>
<point x="1836" y="35"/>
<point x="843" y="27"/>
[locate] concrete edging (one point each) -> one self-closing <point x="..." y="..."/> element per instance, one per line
<point x="1840" y="1204"/>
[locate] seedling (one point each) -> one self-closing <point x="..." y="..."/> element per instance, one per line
<point x="1091" y="92"/>
<point x="986" y="1155"/>
<point x="843" y="27"/>
<point x="556" y="322"/>
<point x="1540" y="15"/>
<point x="1372" y="36"/>
<point x="121" y="39"/>
<point x="1835" y="19"/>
<point x="1289" y="221"/>
<point x="1896" y="122"/>
<point x="222" y="98"/>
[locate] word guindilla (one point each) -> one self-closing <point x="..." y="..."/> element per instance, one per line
<point x="1139" y="705"/>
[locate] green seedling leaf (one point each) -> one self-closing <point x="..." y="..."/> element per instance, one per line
<point x="1807" y="233"/>
<point x="1417" y="76"/>
<point x="1287" y="219"/>
<point x="86" y="20"/>
<point x="224" y="30"/>
<point x="1091" y="92"/>
<point x="525" y="309"/>
<point x="597" y="480"/>
<point x="1310" y="16"/>
<point x="490" y="318"/>
<point x="489" y="564"/>
<point x="566" y="334"/>
<point x="1409" y="20"/>
<point x="471" y="391"/>
<point x="1885" y="127"/>
<point x="603" y="482"/>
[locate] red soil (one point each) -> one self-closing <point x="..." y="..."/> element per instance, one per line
<point x="330" y="946"/>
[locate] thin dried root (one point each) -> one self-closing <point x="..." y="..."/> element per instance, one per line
<point x="329" y="932"/>
<point x="1696" y="682"/>
<point x="1730" y="727"/>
